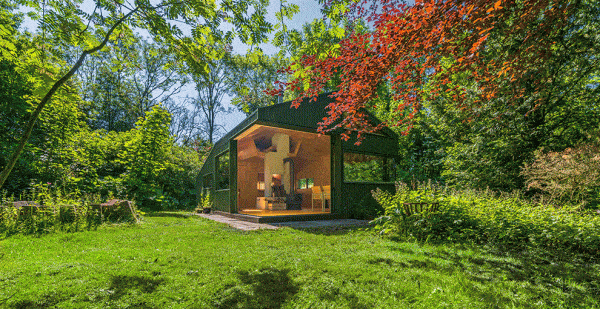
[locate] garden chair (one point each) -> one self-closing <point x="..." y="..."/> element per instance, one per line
<point x="322" y="193"/>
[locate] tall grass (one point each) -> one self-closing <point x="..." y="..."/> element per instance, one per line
<point x="48" y="210"/>
<point x="508" y="222"/>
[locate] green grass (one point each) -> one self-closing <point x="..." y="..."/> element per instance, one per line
<point x="179" y="262"/>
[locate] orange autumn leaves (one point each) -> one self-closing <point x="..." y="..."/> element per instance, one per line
<point x="421" y="48"/>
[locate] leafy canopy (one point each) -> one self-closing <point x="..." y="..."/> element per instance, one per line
<point x="499" y="49"/>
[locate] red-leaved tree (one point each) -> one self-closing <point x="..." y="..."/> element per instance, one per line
<point x="500" y="46"/>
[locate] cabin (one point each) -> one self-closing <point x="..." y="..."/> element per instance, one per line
<point x="275" y="167"/>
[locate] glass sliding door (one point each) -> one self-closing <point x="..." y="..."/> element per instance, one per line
<point x="283" y="172"/>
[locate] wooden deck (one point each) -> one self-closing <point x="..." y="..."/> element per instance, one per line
<point x="272" y="216"/>
<point x="268" y="213"/>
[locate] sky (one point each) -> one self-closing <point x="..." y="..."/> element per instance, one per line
<point x="309" y="10"/>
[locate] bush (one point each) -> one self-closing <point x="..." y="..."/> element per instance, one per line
<point x="143" y="164"/>
<point x="446" y="223"/>
<point x="49" y="211"/>
<point x="570" y="175"/>
<point x="507" y="222"/>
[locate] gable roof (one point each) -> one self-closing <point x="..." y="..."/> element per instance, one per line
<point x="307" y="115"/>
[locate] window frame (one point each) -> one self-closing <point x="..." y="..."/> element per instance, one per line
<point x="389" y="164"/>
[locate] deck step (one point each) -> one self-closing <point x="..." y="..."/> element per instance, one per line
<point x="274" y="219"/>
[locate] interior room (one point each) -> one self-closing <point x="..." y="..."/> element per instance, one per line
<point x="283" y="172"/>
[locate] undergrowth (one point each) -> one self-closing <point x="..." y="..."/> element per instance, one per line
<point x="507" y="222"/>
<point x="45" y="210"/>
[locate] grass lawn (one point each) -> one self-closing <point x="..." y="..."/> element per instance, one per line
<point x="180" y="262"/>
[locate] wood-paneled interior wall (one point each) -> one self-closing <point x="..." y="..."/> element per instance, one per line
<point x="318" y="168"/>
<point x="247" y="180"/>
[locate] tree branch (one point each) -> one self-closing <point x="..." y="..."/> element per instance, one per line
<point x="35" y="115"/>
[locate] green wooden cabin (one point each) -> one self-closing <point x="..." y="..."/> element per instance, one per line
<point x="274" y="166"/>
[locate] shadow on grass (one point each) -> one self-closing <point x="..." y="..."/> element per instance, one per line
<point x="573" y="282"/>
<point x="122" y="284"/>
<point x="330" y="230"/>
<point x="265" y="288"/>
<point x="183" y="215"/>
<point x="326" y="227"/>
<point x="46" y="301"/>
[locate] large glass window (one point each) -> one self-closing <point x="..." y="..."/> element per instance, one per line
<point x="222" y="163"/>
<point x="277" y="169"/>
<point x="367" y="168"/>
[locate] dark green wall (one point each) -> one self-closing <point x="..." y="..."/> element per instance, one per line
<point x="221" y="200"/>
<point x="233" y="176"/>
<point x="358" y="202"/>
<point x="337" y="169"/>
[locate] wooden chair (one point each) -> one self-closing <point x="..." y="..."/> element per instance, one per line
<point x="322" y="193"/>
<point x="316" y="195"/>
<point x="326" y="192"/>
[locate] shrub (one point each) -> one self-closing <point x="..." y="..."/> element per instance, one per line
<point x="179" y="179"/>
<point x="505" y="221"/>
<point x="50" y="210"/>
<point x="570" y="175"/>
<point x="143" y="164"/>
<point x="445" y="223"/>
<point x="205" y="202"/>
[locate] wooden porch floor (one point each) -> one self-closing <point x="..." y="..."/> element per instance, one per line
<point x="269" y="213"/>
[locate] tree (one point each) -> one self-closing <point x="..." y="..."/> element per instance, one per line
<point x="185" y="127"/>
<point x="49" y="152"/>
<point x="146" y="155"/>
<point x="211" y="87"/>
<point x="70" y="26"/>
<point x="250" y="76"/>
<point x="508" y="51"/>
<point x="123" y="82"/>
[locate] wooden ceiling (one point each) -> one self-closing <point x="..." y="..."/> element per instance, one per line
<point x="256" y="141"/>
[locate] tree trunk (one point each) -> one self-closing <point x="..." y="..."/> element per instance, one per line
<point x="36" y="113"/>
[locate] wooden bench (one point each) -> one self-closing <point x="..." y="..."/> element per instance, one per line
<point x="413" y="208"/>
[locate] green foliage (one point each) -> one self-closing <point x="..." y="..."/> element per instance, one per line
<point x="572" y="175"/>
<point x="483" y="162"/>
<point x="50" y="210"/>
<point x="205" y="202"/>
<point x="14" y="88"/>
<point x="367" y="168"/>
<point x="179" y="178"/>
<point x="249" y="76"/>
<point x="507" y="222"/>
<point x="365" y="208"/>
<point x="50" y="151"/>
<point x="147" y="150"/>
<point x="143" y="164"/>
<point x="363" y="171"/>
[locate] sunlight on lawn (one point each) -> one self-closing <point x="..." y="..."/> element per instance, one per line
<point x="189" y="262"/>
